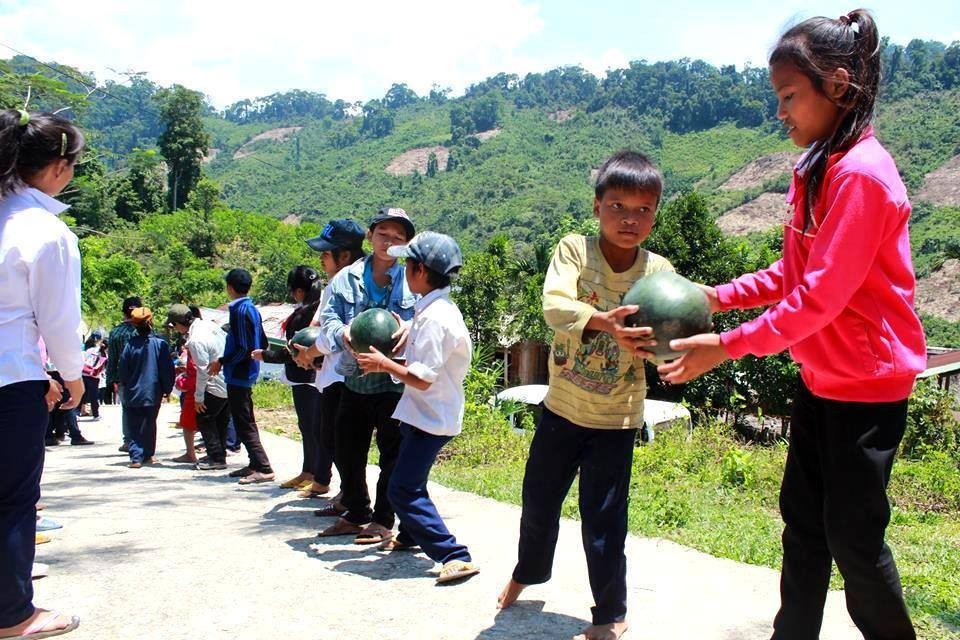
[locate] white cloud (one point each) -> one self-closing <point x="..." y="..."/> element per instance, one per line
<point x="609" y="59"/>
<point x="233" y="50"/>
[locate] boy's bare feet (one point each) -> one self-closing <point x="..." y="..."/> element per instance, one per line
<point x="42" y="620"/>
<point x="510" y="594"/>
<point x="612" y="631"/>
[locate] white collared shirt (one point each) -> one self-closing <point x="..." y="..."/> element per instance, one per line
<point x="438" y="351"/>
<point x="206" y="341"/>
<point x="39" y="289"/>
<point x="328" y="371"/>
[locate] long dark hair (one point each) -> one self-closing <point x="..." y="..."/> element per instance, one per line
<point x="817" y="48"/>
<point x="31" y="141"/>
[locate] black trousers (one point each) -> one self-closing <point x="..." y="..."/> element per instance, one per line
<point x="834" y="506"/>
<point x="306" y="402"/>
<point x="212" y="425"/>
<point x="327" y="416"/>
<point x="23" y="420"/>
<point x="604" y="458"/>
<point x="357" y="417"/>
<point x="91" y="394"/>
<point x="241" y="408"/>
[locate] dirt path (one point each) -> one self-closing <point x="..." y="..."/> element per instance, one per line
<point x="167" y="552"/>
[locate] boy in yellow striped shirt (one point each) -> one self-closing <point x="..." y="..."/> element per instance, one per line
<point x="594" y="405"/>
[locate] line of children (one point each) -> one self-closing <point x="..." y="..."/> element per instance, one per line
<point x="241" y="371"/>
<point x="844" y="286"/>
<point x="306" y="289"/>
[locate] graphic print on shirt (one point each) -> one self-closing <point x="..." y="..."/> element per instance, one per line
<point x="596" y="364"/>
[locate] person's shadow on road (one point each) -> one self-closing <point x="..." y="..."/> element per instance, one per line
<point x="527" y="619"/>
<point x="366" y="561"/>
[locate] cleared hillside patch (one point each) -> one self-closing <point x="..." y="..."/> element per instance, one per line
<point x="938" y="294"/>
<point x="279" y="134"/>
<point x="942" y="186"/>
<point x="416" y="160"/>
<point x="760" y="214"/>
<point x="763" y="169"/>
<point x="483" y="136"/>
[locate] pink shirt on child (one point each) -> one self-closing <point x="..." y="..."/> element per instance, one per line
<point x="843" y="292"/>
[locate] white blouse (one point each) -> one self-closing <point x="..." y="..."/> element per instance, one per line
<point x="39" y="289"/>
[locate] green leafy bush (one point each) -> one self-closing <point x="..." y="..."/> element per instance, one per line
<point x="737" y="468"/>
<point x="931" y="422"/>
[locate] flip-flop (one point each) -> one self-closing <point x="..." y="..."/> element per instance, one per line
<point x="35" y="630"/>
<point x="373" y="534"/>
<point x="340" y="528"/>
<point x="292" y="483"/>
<point x="457" y="570"/>
<point x="311" y="492"/>
<point x="47" y="524"/>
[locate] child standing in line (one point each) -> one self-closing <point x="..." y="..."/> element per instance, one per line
<point x="305" y="288"/>
<point x="241" y="372"/>
<point x="842" y="302"/>
<point x="431" y="409"/>
<point x="594" y="404"/>
<point x="367" y="402"/>
<point x="340" y="244"/>
<point x="146" y="373"/>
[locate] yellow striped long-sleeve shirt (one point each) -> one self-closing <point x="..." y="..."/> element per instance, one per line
<point x="591" y="385"/>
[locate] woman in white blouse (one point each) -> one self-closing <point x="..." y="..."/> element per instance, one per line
<point x="39" y="298"/>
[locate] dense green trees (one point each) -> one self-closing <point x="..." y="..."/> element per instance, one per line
<point x="184" y="141"/>
<point x="378" y="120"/>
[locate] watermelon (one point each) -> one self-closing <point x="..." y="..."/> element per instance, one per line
<point x="305" y="337"/>
<point x="373" y="328"/>
<point x="670" y="304"/>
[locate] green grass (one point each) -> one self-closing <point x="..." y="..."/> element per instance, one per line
<point x="272" y="395"/>
<point x="719" y="495"/>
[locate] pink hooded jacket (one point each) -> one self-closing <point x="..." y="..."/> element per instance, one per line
<point x="842" y="294"/>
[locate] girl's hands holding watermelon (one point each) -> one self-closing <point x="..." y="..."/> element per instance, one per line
<point x="631" y="339"/>
<point x="704" y="352"/>
<point x="373" y="362"/>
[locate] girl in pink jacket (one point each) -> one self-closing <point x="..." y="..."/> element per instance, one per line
<point x="841" y="300"/>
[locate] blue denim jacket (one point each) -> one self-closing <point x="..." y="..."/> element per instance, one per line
<point x="348" y="297"/>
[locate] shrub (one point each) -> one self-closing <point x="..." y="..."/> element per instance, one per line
<point x="931" y="422"/>
<point x="737" y="468"/>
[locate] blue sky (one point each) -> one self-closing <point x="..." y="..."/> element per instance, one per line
<point x="240" y="49"/>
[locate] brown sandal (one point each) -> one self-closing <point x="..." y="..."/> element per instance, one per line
<point x="373" y="533"/>
<point x="341" y="527"/>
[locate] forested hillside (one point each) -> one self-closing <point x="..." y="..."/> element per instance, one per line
<point x="512" y="157"/>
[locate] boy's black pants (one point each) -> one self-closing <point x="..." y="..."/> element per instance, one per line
<point x="604" y="459"/>
<point x="834" y="506"/>
<point x="212" y="424"/>
<point x="241" y="408"/>
<point x="358" y="415"/>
